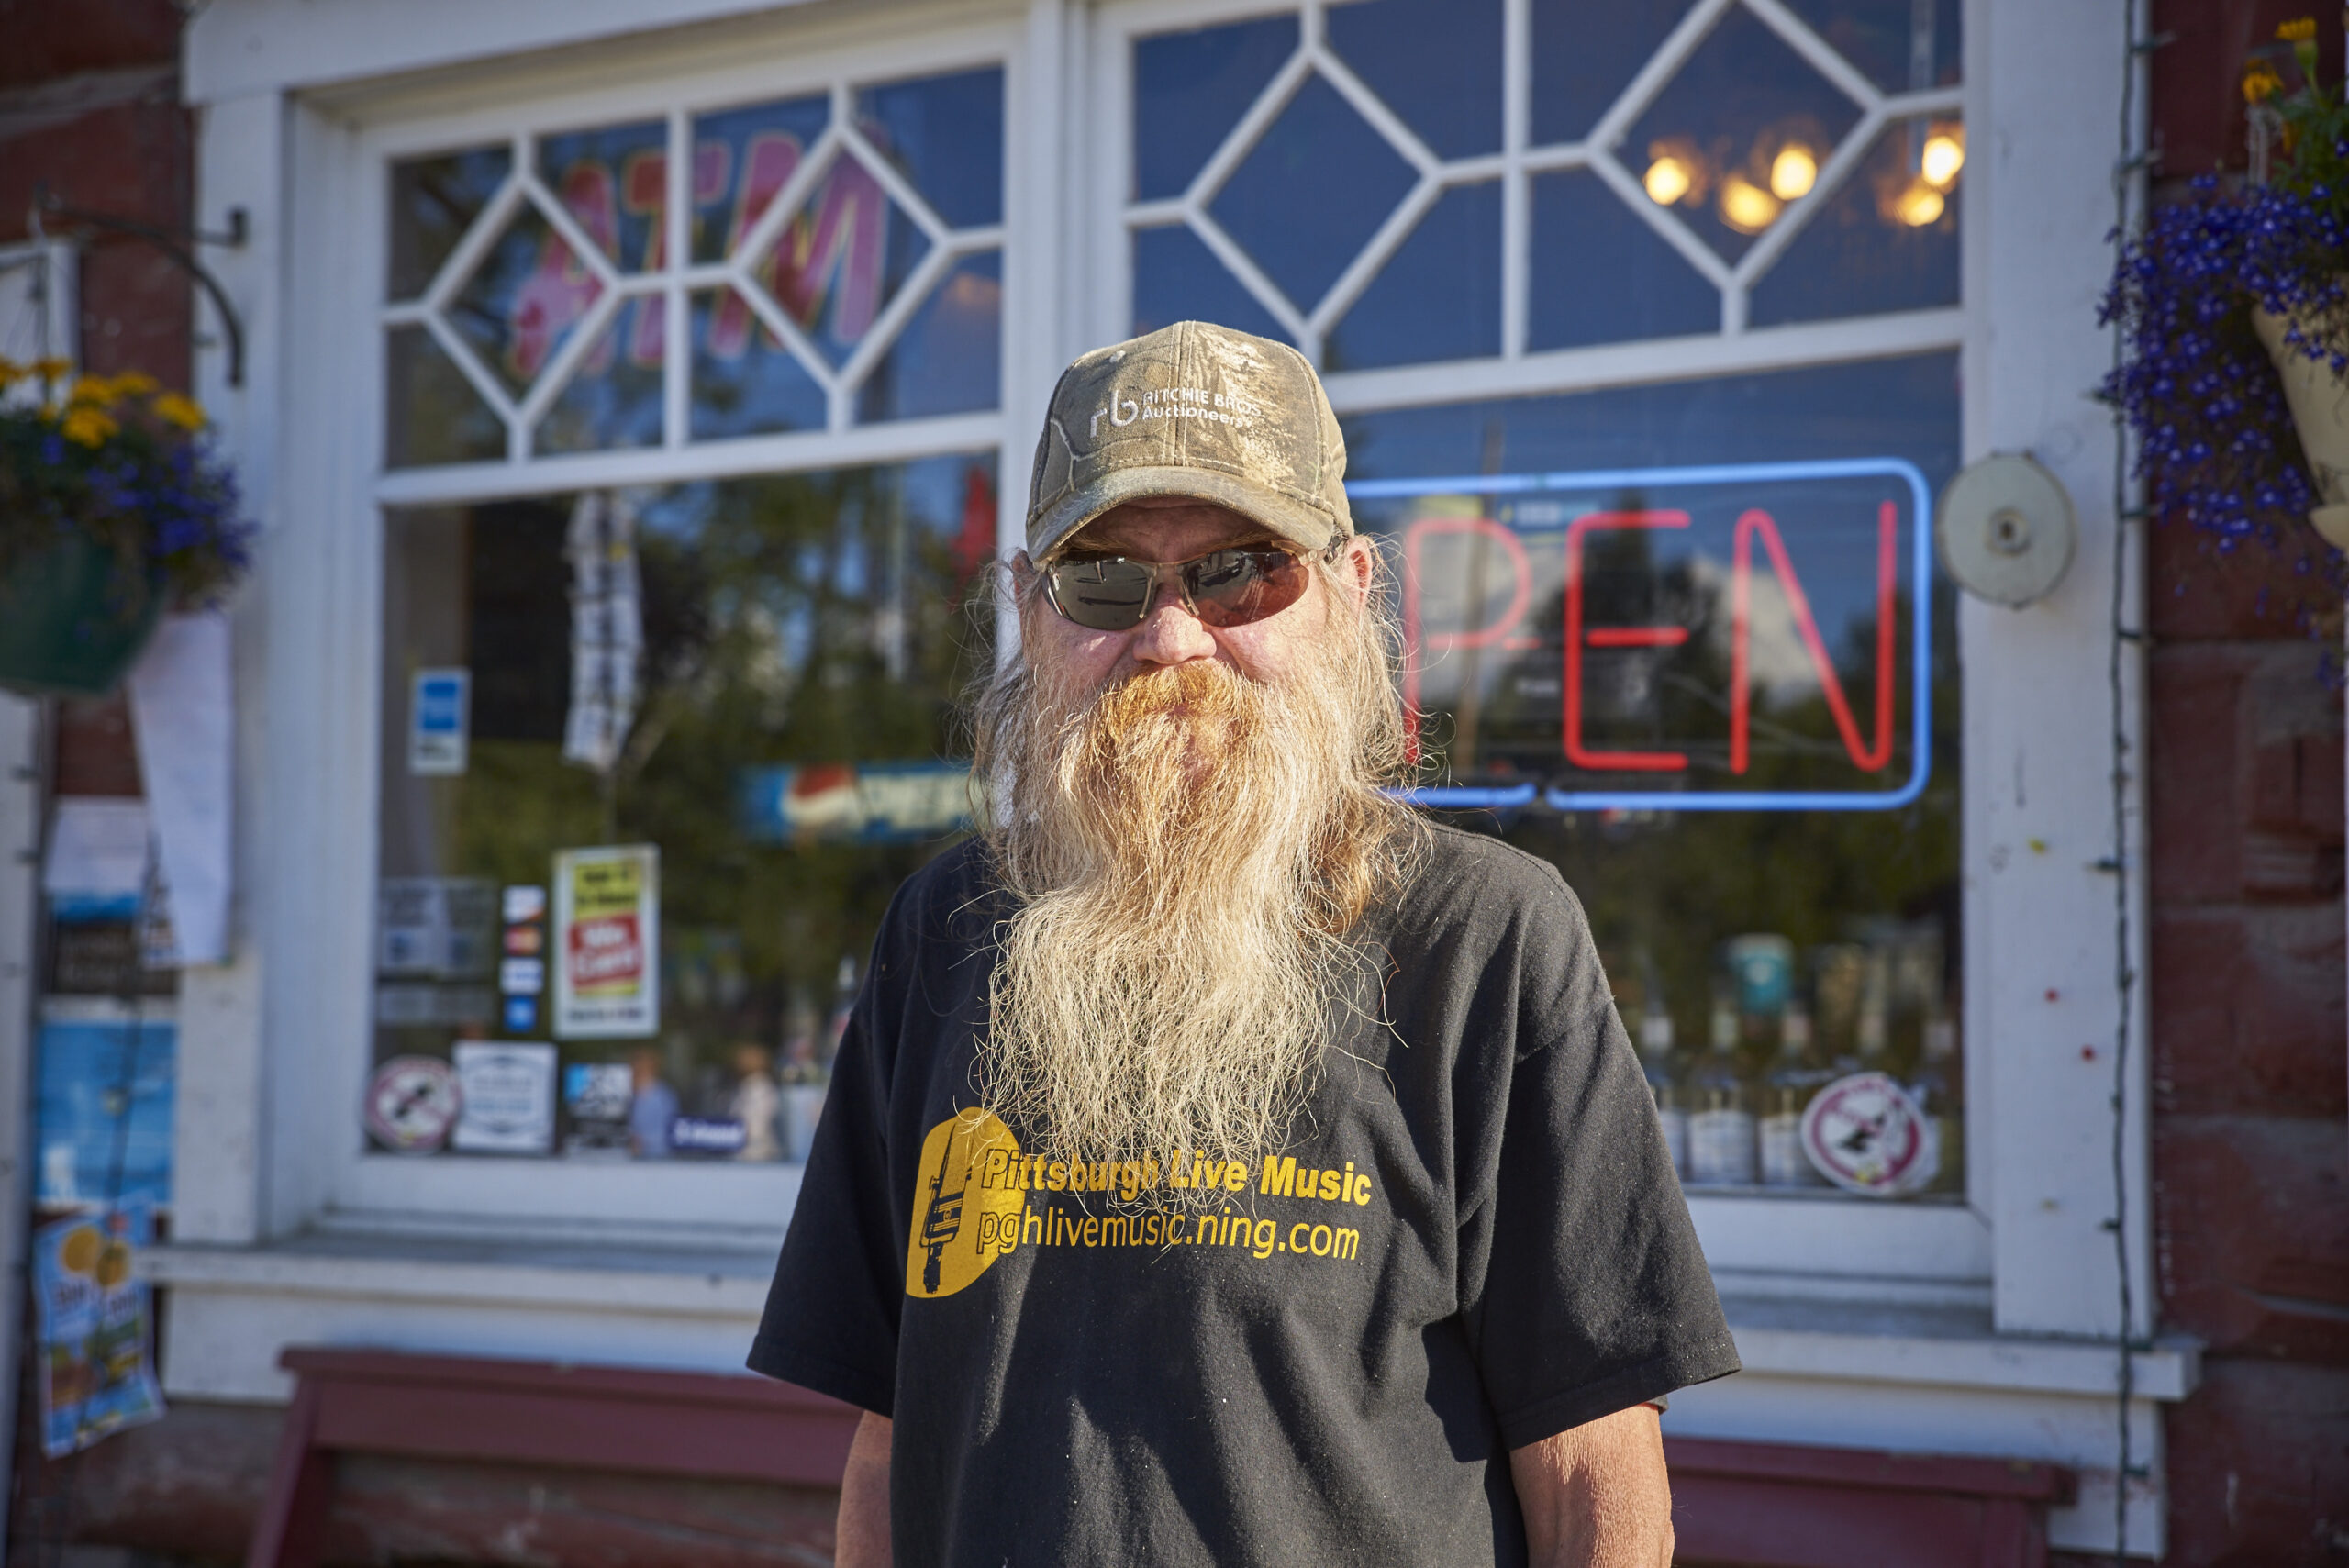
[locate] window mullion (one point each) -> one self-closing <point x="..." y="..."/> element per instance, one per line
<point x="1516" y="115"/>
<point x="676" y="361"/>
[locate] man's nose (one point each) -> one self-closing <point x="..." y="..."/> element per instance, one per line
<point x="1170" y="634"/>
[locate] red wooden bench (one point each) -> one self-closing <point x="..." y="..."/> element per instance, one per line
<point x="564" y="1416"/>
<point x="1735" y="1504"/>
<point x="1776" y="1506"/>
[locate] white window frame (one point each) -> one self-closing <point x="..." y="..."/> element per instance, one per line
<point x="270" y="1043"/>
<point x="279" y="1037"/>
<point x="351" y="1185"/>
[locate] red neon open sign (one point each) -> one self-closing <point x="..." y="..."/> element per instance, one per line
<point x="1750" y="645"/>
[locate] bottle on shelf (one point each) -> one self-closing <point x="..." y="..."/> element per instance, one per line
<point x="1720" y="1111"/>
<point x="1874" y="1035"/>
<point x="1940" y="1091"/>
<point x="1656" y="1060"/>
<point x="1838" y="969"/>
<point x="1762" y="967"/>
<point x="1785" y="1093"/>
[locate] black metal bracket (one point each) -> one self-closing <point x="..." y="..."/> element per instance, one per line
<point x="179" y="250"/>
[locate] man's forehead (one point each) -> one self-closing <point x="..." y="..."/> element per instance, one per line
<point x="1160" y="524"/>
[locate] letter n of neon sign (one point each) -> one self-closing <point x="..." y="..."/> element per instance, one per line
<point x="1756" y="522"/>
<point x="1577" y="753"/>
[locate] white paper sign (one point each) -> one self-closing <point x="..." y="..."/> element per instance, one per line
<point x="440" y="716"/>
<point x="606" y="629"/>
<point x="97" y="852"/>
<point x="507" y="1098"/>
<point x="607" y="953"/>
<point x="183" y="718"/>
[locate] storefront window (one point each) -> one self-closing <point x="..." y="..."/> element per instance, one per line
<point x="1684" y="638"/>
<point x="842" y="265"/>
<point x="1342" y="178"/>
<point x="653" y="761"/>
<point x="658" y="742"/>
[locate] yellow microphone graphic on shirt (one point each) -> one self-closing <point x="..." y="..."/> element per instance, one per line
<point x="956" y="1218"/>
<point x="943" y="1221"/>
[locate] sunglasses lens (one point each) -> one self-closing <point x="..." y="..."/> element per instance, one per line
<point x="1233" y="588"/>
<point x="1101" y="595"/>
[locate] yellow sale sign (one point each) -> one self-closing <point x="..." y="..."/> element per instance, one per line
<point x="607" y="942"/>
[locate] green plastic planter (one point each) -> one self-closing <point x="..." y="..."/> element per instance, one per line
<point x="65" y="630"/>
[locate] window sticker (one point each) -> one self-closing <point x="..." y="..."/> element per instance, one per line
<point x="437" y="928"/>
<point x="506" y="1098"/>
<point x="440" y="716"/>
<point x="719" y="1137"/>
<point x="412" y="1103"/>
<point x="606" y="934"/>
<point x="1866" y="1134"/>
<point x="597" y="1096"/>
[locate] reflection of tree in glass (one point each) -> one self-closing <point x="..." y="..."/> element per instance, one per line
<point x="433" y="201"/>
<point x="802" y="619"/>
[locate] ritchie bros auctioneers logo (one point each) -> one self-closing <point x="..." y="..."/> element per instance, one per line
<point x="979" y="1198"/>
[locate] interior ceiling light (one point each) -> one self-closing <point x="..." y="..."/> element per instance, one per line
<point x="1746" y="206"/>
<point x="1943" y="156"/>
<point x="1668" y="180"/>
<point x="1918" y="206"/>
<point x="1793" y="172"/>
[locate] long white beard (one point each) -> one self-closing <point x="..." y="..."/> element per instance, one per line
<point x="1190" y="852"/>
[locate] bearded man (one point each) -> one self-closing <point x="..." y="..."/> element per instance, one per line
<point x="1223" y="1165"/>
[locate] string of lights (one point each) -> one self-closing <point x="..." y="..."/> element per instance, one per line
<point x="2128" y="175"/>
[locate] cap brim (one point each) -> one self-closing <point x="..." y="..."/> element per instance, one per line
<point x="1306" y="525"/>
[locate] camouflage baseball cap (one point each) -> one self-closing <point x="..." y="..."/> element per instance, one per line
<point x="1197" y="410"/>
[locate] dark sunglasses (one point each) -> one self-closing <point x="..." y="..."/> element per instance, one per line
<point x="1224" y="588"/>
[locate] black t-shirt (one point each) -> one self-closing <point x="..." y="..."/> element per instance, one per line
<point x="1475" y="1239"/>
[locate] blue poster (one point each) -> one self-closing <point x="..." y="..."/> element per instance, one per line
<point x="96" y="1327"/>
<point x="103" y="1097"/>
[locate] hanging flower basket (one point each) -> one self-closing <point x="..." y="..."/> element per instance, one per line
<point x="2235" y="315"/>
<point x="72" y="624"/>
<point x="112" y="510"/>
<point x="2318" y="395"/>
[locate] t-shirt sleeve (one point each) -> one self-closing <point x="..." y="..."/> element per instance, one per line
<point x="831" y="1322"/>
<point x="1595" y="1296"/>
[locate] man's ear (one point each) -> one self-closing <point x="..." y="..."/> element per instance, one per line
<point x="1358" y="570"/>
<point x="1022" y="577"/>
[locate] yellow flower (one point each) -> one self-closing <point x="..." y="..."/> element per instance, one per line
<point x="11" y="373"/>
<point x="88" y="427"/>
<point x="2260" y="83"/>
<point x="185" y="412"/>
<point x="2301" y="35"/>
<point x="135" y="384"/>
<point x="97" y="391"/>
<point x="50" y="369"/>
